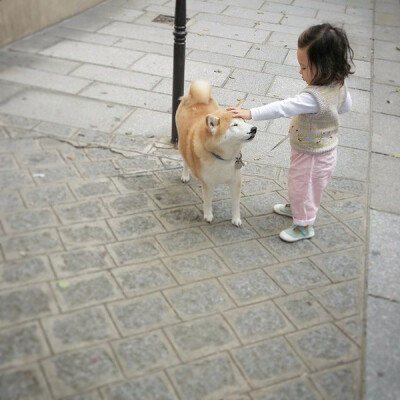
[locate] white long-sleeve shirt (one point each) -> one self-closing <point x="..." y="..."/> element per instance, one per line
<point x="303" y="103"/>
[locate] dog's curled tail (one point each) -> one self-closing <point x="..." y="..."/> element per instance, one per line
<point x="200" y="92"/>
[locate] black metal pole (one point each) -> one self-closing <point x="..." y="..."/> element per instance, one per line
<point x="178" y="78"/>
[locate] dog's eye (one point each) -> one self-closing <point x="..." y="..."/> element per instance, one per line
<point x="235" y="125"/>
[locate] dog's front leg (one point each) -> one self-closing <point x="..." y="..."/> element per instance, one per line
<point x="207" y="202"/>
<point x="236" y="186"/>
<point x="185" y="173"/>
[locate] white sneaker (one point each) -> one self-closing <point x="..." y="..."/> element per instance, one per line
<point x="283" y="209"/>
<point x="296" y="232"/>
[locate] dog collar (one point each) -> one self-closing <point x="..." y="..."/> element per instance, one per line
<point x="217" y="156"/>
<point x="238" y="163"/>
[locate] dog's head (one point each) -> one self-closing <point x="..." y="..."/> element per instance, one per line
<point x="222" y="128"/>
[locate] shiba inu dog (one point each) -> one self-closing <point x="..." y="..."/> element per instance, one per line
<point x="210" y="142"/>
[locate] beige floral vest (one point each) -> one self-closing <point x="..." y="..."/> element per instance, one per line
<point x="317" y="133"/>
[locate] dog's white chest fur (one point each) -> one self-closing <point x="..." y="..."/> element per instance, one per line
<point x="216" y="172"/>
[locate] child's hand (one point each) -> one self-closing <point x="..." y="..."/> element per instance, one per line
<point x="239" y="112"/>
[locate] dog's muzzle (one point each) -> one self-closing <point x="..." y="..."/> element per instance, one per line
<point x="252" y="133"/>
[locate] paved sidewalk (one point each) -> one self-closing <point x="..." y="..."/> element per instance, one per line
<point x="111" y="284"/>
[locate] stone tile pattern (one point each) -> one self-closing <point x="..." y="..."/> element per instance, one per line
<point x="111" y="284"/>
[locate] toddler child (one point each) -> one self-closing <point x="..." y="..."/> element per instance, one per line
<point x="324" y="55"/>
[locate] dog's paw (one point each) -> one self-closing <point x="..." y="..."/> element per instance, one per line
<point x="208" y="217"/>
<point x="185" y="179"/>
<point x="237" y="222"/>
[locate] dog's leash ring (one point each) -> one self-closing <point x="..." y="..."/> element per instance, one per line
<point x="239" y="163"/>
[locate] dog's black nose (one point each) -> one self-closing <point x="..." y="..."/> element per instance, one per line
<point x="252" y="133"/>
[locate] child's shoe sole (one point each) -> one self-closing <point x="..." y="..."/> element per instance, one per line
<point x="295" y="233"/>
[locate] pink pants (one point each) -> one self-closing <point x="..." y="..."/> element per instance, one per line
<point x="309" y="174"/>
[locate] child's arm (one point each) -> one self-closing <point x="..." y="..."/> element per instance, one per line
<point x="303" y="103"/>
<point x="239" y="112"/>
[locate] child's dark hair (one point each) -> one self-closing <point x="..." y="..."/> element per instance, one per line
<point x="329" y="53"/>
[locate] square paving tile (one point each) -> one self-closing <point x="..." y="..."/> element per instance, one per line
<point x="254" y="185"/>
<point x="289" y="251"/>
<point x="25" y="270"/>
<point x="149" y="387"/>
<point x="93" y="187"/>
<point x="25" y="221"/>
<point x="297" y="275"/>
<point x="21" y="345"/>
<point x="26" y="303"/>
<point x="262" y="204"/>
<point x="170" y="177"/>
<point x="268" y="225"/>
<point x="340" y="383"/>
<point x="135" y="251"/>
<point x="38" y="158"/>
<point x="324" y="218"/>
<point x="79" y="329"/>
<point x="72" y="263"/>
<point x="342" y="299"/>
<point x="196" y="266"/>
<point x="220" y="192"/>
<point x="92" y="53"/>
<point x="250" y="287"/>
<point x="87" y="234"/>
<point x="184" y="241"/>
<point x="257" y="322"/>
<point x="11" y="200"/>
<point x="137" y="183"/>
<point x="249" y="81"/>
<point x="144" y="353"/>
<point x="212" y="377"/>
<point x="56" y="174"/>
<point x="98" y="168"/>
<point x="71" y="373"/>
<point x="198" y="299"/>
<point x="85" y="290"/>
<point x="347" y="186"/>
<point x="180" y="218"/>
<point x="353" y="327"/>
<point x="323" y="346"/>
<point x="299" y="389"/>
<point x="263" y="171"/>
<point x="135" y="226"/>
<point x="359" y="227"/>
<point x="43" y="241"/>
<point x="24" y="382"/>
<point x="136" y="280"/>
<point x="14" y="179"/>
<point x="335" y="237"/>
<point x="226" y="232"/>
<point x="173" y="196"/>
<point x="341" y="265"/>
<point x="81" y="211"/>
<point x="139" y="164"/>
<point x="246" y="255"/>
<point x="142" y="314"/>
<point x="201" y="337"/>
<point x="129" y="204"/>
<point x="267" y="362"/>
<point x="302" y="309"/>
<point x="347" y="208"/>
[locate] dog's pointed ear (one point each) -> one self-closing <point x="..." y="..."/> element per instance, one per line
<point x="212" y="123"/>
